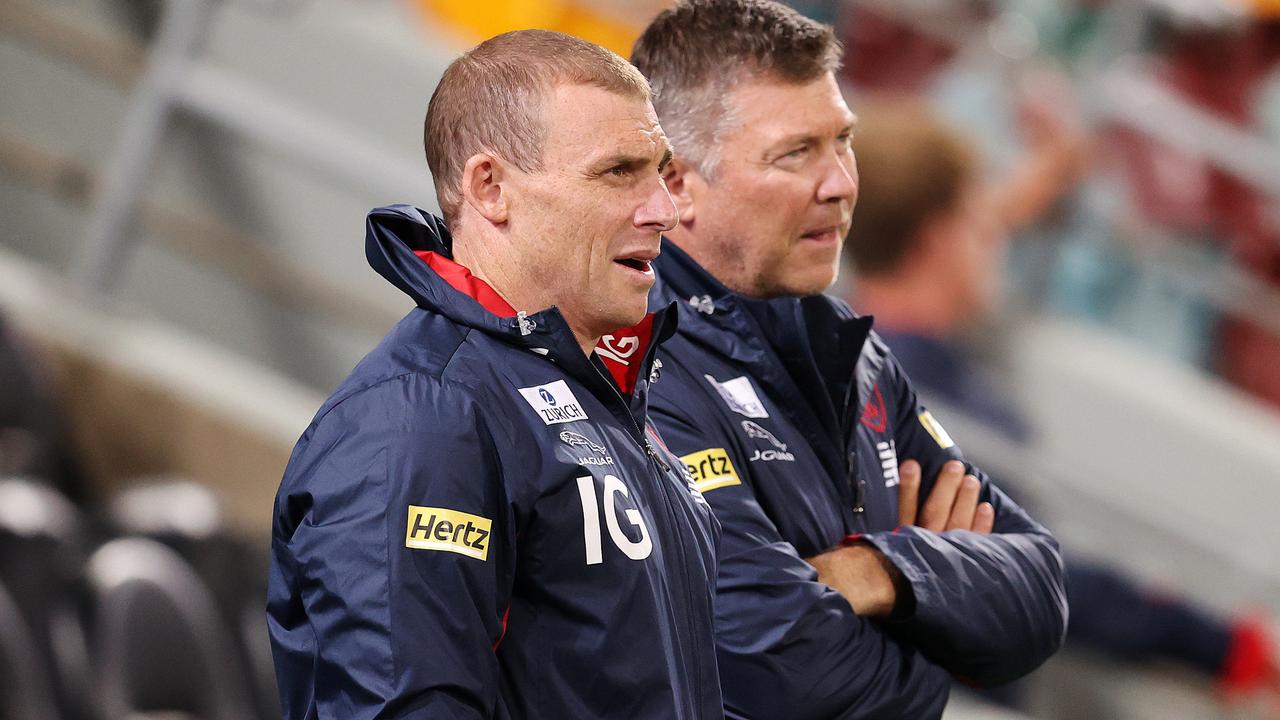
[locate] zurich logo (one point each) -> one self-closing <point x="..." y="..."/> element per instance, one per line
<point x="547" y="397"/>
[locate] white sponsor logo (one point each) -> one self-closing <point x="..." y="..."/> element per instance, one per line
<point x="656" y="371"/>
<point x="601" y="453"/>
<point x="554" y="403"/>
<point x="573" y="439"/>
<point x="888" y="462"/>
<point x="740" y="396"/>
<point x="754" y="430"/>
<point x="618" y="349"/>
<point x="770" y="455"/>
<point x="613" y="487"/>
<point x="596" y="461"/>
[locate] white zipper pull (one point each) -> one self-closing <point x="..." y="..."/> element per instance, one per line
<point x="526" y="325"/>
<point x="656" y="372"/>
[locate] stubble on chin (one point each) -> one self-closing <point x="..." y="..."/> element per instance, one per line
<point x="732" y="266"/>
<point x="778" y="278"/>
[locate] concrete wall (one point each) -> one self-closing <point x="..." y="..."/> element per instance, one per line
<point x="64" y="104"/>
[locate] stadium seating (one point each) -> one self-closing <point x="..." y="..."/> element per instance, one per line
<point x="42" y="540"/>
<point x="159" y="643"/>
<point x="189" y="519"/>
<point x="25" y="690"/>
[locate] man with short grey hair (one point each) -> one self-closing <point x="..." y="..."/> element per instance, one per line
<point x="480" y="523"/>
<point x="848" y="588"/>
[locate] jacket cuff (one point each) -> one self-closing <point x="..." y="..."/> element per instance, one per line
<point x="906" y="578"/>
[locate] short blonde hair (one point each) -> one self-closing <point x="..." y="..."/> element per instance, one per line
<point x="491" y="99"/>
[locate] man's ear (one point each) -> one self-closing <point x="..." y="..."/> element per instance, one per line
<point x="685" y="185"/>
<point x="482" y="187"/>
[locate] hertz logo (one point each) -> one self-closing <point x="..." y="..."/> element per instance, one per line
<point x="448" y="530"/>
<point x="711" y="469"/>
<point x="935" y="430"/>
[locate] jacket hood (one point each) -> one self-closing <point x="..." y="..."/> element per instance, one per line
<point x="396" y="239"/>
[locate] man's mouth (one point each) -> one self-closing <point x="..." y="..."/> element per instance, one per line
<point x="634" y="264"/>
<point x="826" y="234"/>
<point x="640" y="261"/>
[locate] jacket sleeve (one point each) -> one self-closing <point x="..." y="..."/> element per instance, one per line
<point x="989" y="608"/>
<point x="392" y="555"/>
<point x="789" y="646"/>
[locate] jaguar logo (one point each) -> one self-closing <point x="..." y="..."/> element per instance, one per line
<point x="754" y="430"/>
<point x="573" y="439"/>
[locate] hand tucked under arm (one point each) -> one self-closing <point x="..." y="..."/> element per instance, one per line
<point x="870" y="583"/>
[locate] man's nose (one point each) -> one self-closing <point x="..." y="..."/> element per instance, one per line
<point x="659" y="212"/>
<point x="840" y="181"/>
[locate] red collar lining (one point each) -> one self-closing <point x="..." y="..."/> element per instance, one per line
<point x="461" y="279"/>
<point x="622" y="351"/>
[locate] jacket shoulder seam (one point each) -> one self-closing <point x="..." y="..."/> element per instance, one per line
<point x="394" y="378"/>
<point x="466" y="338"/>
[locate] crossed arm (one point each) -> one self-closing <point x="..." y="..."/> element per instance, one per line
<point x="874" y="587"/>
<point x="976" y="585"/>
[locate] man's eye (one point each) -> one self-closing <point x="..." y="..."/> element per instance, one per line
<point x="620" y="170"/>
<point x="794" y="154"/>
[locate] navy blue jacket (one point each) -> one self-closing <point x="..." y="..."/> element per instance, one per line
<point x="791" y="416"/>
<point x="477" y="524"/>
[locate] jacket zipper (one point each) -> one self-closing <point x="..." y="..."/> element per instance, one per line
<point x="663" y="481"/>
<point x="849" y="430"/>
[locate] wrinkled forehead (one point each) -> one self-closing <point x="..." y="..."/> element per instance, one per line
<point x="774" y="108"/>
<point x="584" y="121"/>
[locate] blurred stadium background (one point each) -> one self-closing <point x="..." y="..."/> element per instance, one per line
<point x="183" y="185"/>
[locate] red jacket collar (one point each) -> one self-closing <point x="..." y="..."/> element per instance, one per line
<point x="622" y="351"/>
<point x="461" y="279"/>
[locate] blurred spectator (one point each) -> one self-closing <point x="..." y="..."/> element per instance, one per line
<point x="927" y="249"/>
<point x="44" y="541"/>
<point x="1023" y="115"/>
<point x="1222" y="70"/>
<point x="894" y="52"/>
<point x="983" y="65"/>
